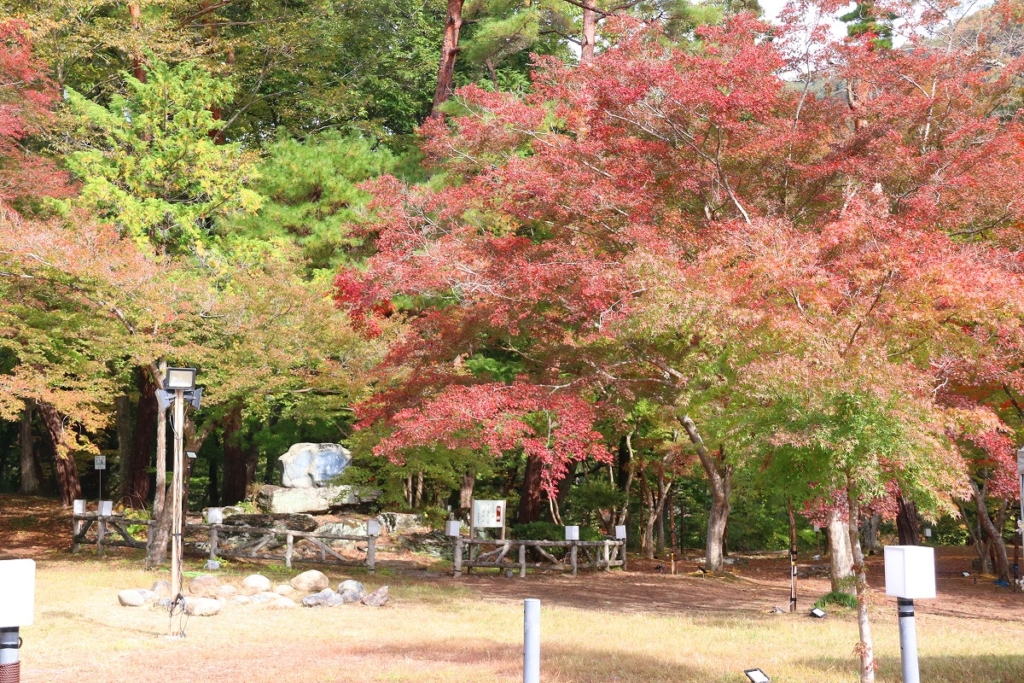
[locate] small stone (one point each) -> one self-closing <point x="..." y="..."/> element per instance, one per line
<point x="351" y="591"/>
<point x="240" y="600"/>
<point x="284" y="589"/>
<point x="227" y="591"/>
<point x="162" y="603"/>
<point x="162" y="588"/>
<point x="131" y="598"/>
<point x="377" y="598"/>
<point x="324" y="598"/>
<point x="264" y="597"/>
<point x="204" y="586"/>
<point x="255" y="583"/>
<point x="211" y="565"/>
<point x="281" y="602"/>
<point x="202" y="607"/>
<point x="310" y="582"/>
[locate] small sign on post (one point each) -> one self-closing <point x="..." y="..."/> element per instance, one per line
<point x="488" y="514"/>
<point x="100" y="462"/>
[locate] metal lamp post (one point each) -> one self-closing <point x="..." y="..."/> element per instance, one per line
<point x="909" y="574"/>
<point x="177" y="383"/>
<point x="1020" y="476"/>
<point x="17" y="601"/>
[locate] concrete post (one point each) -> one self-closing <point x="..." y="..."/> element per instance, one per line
<point x="531" y="641"/>
<point x="908" y="641"/>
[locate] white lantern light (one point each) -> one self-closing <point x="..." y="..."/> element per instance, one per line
<point x="910" y="571"/>
<point x="215" y="516"/>
<point x="620" y="532"/>
<point x="180" y="378"/>
<point x="452" y="527"/>
<point x="572" y="533"/>
<point x="106" y="508"/>
<point x="79" y="507"/>
<point x="17" y="592"/>
<point x="373" y="528"/>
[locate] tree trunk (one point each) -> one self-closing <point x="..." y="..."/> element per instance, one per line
<point x="66" y="470"/>
<point x="449" y="51"/>
<point x="466" y="491"/>
<point x="589" y="31"/>
<point x="840" y="554"/>
<point x="869" y="533"/>
<point x="212" y="491"/>
<point x="123" y="424"/>
<point x="530" y="494"/>
<point x="235" y="469"/>
<point x="1001" y="566"/>
<point x="906" y="522"/>
<point x="419" y="489"/>
<point x="673" y="536"/>
<point x="865" y="648"/>
<point x="135" y="484"/>
<point x="720" y="482"/>
<point x="156" y="552"/>
<point x="31" y="473"/>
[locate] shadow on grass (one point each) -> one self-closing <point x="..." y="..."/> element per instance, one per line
<point x="942" y="669"/>
<point x="558" y="662"/>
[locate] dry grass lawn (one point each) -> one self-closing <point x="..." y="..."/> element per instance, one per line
<point x="438" y="629"/>
<point x="639" y="626"/>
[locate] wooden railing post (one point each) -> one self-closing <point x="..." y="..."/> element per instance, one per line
<point x="101" y="531"/>
<point x="522" y="561"/>
<point x="371" y="553"/>
<point x="289" y="546"/>
<point x="458" y="557"/>
<point x="213" y="542"/>
<point x="572" y="557"/>
<point x="605" y="555"/>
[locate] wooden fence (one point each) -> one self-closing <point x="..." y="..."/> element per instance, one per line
<point x="597" y="555"/>
<point x="257" y="548"/>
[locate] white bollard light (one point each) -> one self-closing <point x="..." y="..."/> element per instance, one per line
<point x="373" y="528"/>
<point x="620" y="532"/>
<point x="909" y="574"/>
<point x="531" y="641"/>
<point x="572" y="533"/>
<point x="79" y="507"/>
<point x="215" y="516"/>
<point x="17" y="602"/>
<point x="452" y="527"/>
<point x="106" y="508"/>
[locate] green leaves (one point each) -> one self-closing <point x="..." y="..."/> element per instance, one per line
<point x="150" y="163"/>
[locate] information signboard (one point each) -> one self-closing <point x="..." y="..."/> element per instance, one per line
<point x="488" y="514"/>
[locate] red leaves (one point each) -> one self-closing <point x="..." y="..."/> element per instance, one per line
<point x="26" y="96"/>
<point x="497" y="418"/>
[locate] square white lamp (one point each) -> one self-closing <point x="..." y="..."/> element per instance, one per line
<point x="79" y="507"/>
<point x="452" y="527"/>
<point x="910" y="571"/>
<point x="373" y="528"/>
<point x="106" y="508"/>
<point x="17" y="592"/>
<point x="620" y="531"/>
<point x="572" y="533"/>
<point x="757" y="676"/>
<point x="928" y="532"/>
<point x="215" y="516"/>
<point x="180" y="378"/>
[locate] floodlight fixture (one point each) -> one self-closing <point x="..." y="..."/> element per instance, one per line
<point x="757" y="676"/>
<point x="966" y="575"/>
<point x="818" y="613"/>
<point x="194" y="397"/>
<point x="183" y="379"/>
<point x="191" y="455"/>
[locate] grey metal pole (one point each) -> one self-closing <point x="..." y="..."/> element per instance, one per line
<point x="908" y="641"/>
<point x="10" y="667"/>
<point x="531" y="641"/>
